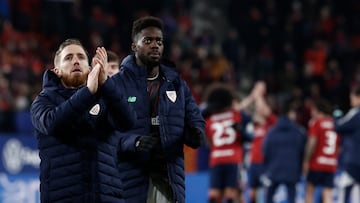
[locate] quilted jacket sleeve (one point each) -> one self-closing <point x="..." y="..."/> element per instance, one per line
<point x="195" y="123"/>
<point x="50" y="115"/>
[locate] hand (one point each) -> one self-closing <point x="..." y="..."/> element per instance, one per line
<point x="92" y="80"/>
<point x="145" y="143"/>
<point x="101" y="59"/>
<point x="259" y="89"/>
<point x="196" y="136"/>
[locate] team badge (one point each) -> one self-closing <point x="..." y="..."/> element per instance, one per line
<point x="171" y="95"/>
<point x="95" y="110"/>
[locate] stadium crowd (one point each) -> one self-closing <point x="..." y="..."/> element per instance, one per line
<point x="303" y="48"/>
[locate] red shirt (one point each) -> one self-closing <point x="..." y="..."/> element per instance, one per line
<point x="325" y="155"/>
<point x="256" y="155"/>
<point x="225" y="145"/>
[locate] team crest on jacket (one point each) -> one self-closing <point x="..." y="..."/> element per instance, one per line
<point x="95" y="110"/>
<point x="171" y="95"/>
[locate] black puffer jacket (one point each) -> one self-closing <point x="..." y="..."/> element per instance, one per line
<point x="77" y="141"/>
<point x="177" y="112"/>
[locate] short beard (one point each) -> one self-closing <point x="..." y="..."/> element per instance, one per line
<point x="149" y="64"/>
<point x="74" y="82"/>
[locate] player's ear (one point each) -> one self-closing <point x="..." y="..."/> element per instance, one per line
<point x="133" y="47"/>
<point x="57" y="71"/>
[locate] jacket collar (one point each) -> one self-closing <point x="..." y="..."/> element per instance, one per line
<point x="129" y="64"/>
<point x="51" y="82"/>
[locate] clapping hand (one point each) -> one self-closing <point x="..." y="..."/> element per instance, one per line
<point x="97" y="74"/>
<point x="101" y="59"/>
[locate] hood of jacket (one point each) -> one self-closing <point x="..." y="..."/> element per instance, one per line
<point x="51" y="82"/>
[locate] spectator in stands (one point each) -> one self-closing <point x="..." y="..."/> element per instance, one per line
<point x="113" y="65"/>
<point x="349" y="130"/>
<point x="283" y="150"/>
<point x="151" y="156"/>
<point x="321" y="153"/>
<point x="76" y="116"/>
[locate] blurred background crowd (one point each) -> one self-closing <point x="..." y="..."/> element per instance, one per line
<point x="305" y="49"/>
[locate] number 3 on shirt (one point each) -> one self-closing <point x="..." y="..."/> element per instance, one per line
<point x="330" y="142"/>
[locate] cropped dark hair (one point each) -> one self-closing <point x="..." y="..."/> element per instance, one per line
<point x="355" y="90"/>
<point x="145" y="22"/>
<point x="289" y="105"/>
<point x="219" y="97"/>
<point x="112" y="57"/>
<point x="323" y="106"/>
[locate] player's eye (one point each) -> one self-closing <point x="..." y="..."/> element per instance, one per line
<point x="81" y="56"/>
<point x="68" y="57"/>
<point x="159" y="42"/>
<point x="147" y="41"/>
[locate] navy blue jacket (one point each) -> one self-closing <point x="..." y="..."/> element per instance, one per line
<point x="174" y="115"/>
<point x="348" y="127"/>
<point x="283" y="149"/>
<point x="77" y="141"/>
